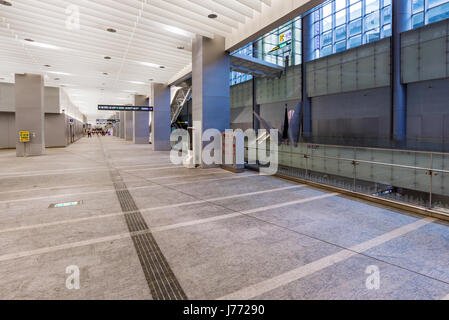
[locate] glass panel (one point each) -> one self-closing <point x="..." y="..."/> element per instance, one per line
<point x="386" y="31"/>
<point x="417" y="5"/>
<point x="386" y="13"/>
<point x="418" y="20"/>
<point x="327" y="23"/>
<point x="326" y="39"/>
<point x="434" y="3"/>
<point x="340" y="46"/>
<point x="340" y="4"/>
<point x="340" y="17"/>
<point x="325" y="51"/>
<point x="355" y="27"/>
<point x="371" y="6"/>
<point x="355" y="11"/>
<point x="355" y="41"/>
<point x="340" y="33"/>
<point x="372" y="35"/>
<point x="327" y="10"/>
<point x="438" y="13"/>
<point x="372" y="21"/>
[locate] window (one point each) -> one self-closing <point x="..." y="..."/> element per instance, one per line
<point x="428" y="11"/>
<point x="280" y="43"/>
<point x="344" y="24"/>
<point x="274" y="47"/>
<point x="237" y="77"/>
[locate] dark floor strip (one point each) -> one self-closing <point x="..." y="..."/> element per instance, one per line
<point x="160" y="277"/>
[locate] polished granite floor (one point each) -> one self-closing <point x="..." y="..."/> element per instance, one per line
<point x="224" y="235"/>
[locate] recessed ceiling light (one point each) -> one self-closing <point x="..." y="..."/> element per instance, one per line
<point x="57" y="79"/>
<point x="180" y="47"/>
<point x="111" y="30"/>
<point x="47" y="65"/>
<point x="108" y="58"/>
<point x="42" y="45"/>
<point x="212" y="16"/>
<point x="105" y="73"/>
<point x="29" y="40"/>
<point x="5" y="3"/>
<point x="60" y="73"/>
<point x="162" y="67"/>
<point x="151" y="79"/>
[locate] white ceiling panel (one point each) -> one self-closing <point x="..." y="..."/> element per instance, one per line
<point x="149" y="35"/>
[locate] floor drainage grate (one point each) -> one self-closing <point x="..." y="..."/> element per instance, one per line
<point x="160" y="278"/>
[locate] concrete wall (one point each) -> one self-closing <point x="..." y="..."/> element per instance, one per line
<point x="77" y="130"/>
<point x="57" y="126"/>
<point x="7" y="97"/>
<point x="428" y="111"/>
<point x="51" y="100"/>
<point x="362" y="114"/>
<point x="57" y="130"/>
<point x="7" y="130"/>
<point x="425" y="53"/>
<point x="274" y="113"/>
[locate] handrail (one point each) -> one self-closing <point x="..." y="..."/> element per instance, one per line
<point x="357" y="161"/>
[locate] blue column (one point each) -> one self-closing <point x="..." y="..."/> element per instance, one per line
<point x="401" y="19"/>
<point x="122" y="125"/>
<point x="161" y="117"/>
<point x="141" y="122"/>
<point x="210" y="84"/>
<point x="307" y="55"/>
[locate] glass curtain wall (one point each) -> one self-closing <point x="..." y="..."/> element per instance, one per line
<point x="274" y="47"/>
<point x="428" y="11"/>
<point x="343" y="24"/>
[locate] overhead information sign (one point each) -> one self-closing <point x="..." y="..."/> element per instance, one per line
<point x="124" y="108"/>
<point x="285" y="39"/>
<point x="24" y="136"/>
<point x="107" y="121"/>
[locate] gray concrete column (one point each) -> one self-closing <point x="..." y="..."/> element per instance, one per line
<point x="122" y="125"/>
<point x="129" y="125"/>
<point x="29" y="100"/>
<point x="307" y="55"/>
<point x="401" y="23"/>
<point x="160" y="128"/>
<point x="141" y="125"/>
<point x="117" y="125"/>
<point x="210" y="84"/>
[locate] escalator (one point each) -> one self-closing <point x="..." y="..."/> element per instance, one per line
<point x="179" y="116"/>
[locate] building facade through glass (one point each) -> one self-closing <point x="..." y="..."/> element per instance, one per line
<point x="338" y="25"/>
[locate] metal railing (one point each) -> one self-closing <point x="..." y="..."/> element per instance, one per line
<point x="412" y="177"/>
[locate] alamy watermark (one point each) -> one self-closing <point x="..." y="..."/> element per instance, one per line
<point x="72" y="21"/>
<point x="73" y="280"/>
<point x="213" y="147"/>
<point x="373" y="280"/>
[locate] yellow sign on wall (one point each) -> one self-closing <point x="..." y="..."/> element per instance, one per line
<point x="24" y="136"/>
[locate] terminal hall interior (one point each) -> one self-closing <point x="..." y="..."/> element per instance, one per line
<point x="224" y="150"/>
